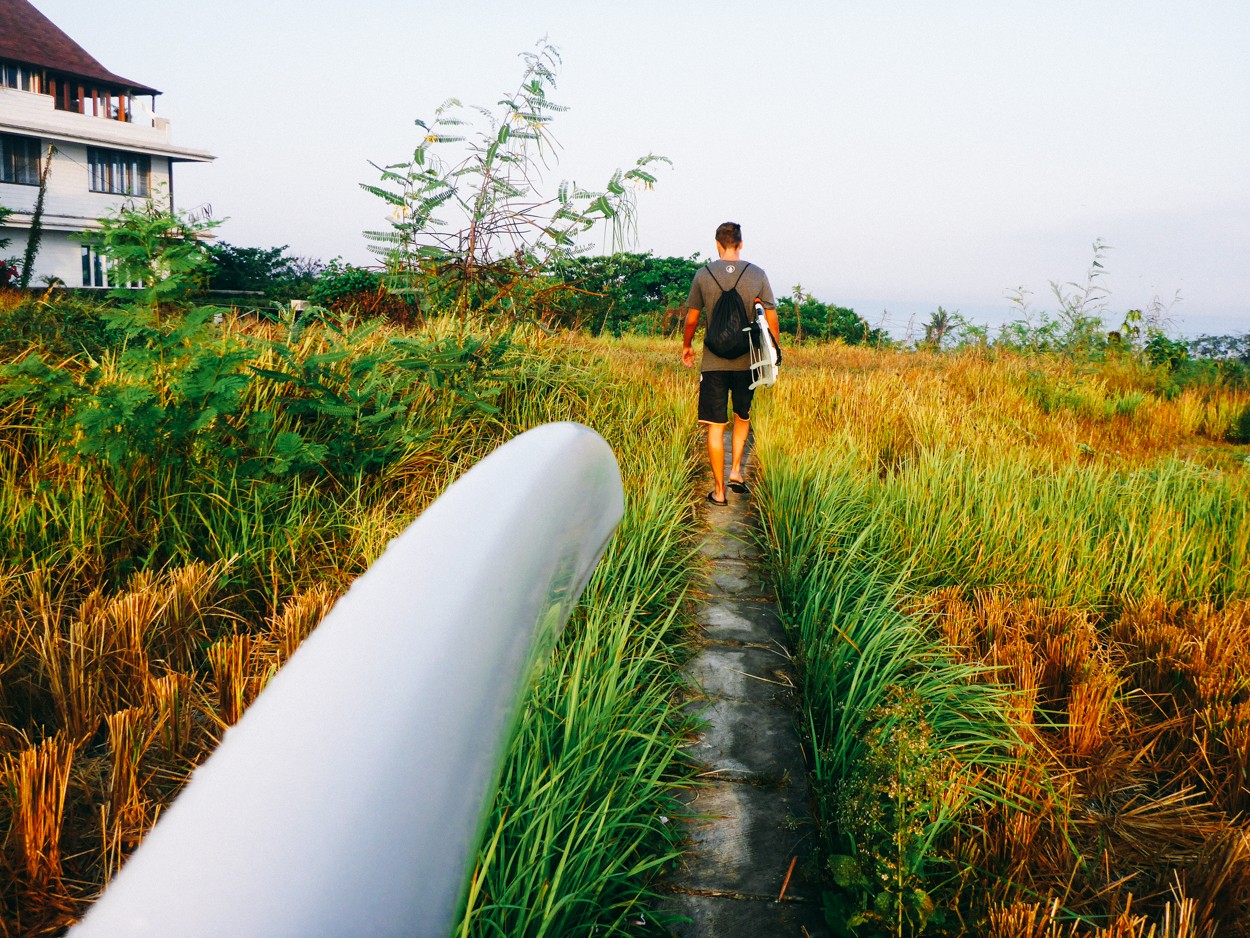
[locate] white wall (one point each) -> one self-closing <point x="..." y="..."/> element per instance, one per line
<point x="59" y="256"/>
<point x="70" y="202"/>
<point x="18" y="198"/>
<point x="70" y="206"/>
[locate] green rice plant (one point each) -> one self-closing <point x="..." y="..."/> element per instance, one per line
<point x="1050" y="397"/>
<point x="902" y="735"/>
<point x="995" y="747"/>
<point x="579" y="820"/>
<point x="579" y="828"/>
<point x="1126" y="404"/>
<point x="1081" y="532"/>
<point x="158" y="623"/>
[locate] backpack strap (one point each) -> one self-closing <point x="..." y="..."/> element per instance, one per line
<point x="713" y="276"/>
<point x="745" y="265"/>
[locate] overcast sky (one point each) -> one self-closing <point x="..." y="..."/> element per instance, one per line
<point x="890" y="156"/>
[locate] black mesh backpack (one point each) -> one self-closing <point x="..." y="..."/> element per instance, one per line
<point x="726" y="330"/>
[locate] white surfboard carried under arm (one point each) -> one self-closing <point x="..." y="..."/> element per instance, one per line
<point x="765" y="356"/>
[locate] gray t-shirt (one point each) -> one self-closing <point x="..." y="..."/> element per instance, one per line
<point x="706" y="289"/>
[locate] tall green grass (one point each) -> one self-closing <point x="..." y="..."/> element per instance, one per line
<point x="903" y="736"/>
<point x="910" y="501"/>
<point x="109" y="568"/>
<point x="579" y="828"/>
<point x="1080" y="534"/>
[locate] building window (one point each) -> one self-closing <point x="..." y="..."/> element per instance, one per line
<point x="95" y="270"/>
<point x="15" y="76"/>
<point x="119" y="173"/>
<point x="19" y="160"/>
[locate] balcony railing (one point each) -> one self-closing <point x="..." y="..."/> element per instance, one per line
<point x="76" y="95"/>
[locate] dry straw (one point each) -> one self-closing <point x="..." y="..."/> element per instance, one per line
<point x="1078" y="542"/>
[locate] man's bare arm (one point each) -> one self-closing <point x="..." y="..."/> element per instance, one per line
<point x="687" y="348"/>
<point x="771" y="316"/>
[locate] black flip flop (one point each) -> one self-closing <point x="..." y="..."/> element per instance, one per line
<point x="739" y="487"/>
<point x="711" y="497"/>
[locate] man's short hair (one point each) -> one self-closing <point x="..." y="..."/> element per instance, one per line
<point x="729" y="234"/>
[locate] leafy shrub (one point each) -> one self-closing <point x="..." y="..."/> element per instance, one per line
<point x="379" y="304"/>
<point x="803" y="316"/>
<point x="178" y="400"/>
<point x="153" y="407"/>
<point x="354" y="411"/>
<point x="268" y="271"/>
<point x="345" y="288"/>
<point x="156" y="255"/>
<point x="621" y="292"/>
<point x="186" y="435"/>
<point x="1240" y="430"/>
<point x="60" y="324"/>
<point x="891" y="809"/>
<point x="1163" y="352"/>
<point x="340" y="280"/>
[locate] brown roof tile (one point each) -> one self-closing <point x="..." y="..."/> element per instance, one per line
<point x="29" y="37"/>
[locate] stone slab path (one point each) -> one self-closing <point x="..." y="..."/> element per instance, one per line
<point x="750" y="830"/>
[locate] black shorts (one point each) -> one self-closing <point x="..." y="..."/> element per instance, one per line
<point x="715" y="387"/>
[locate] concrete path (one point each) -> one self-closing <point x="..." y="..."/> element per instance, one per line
<point x="750" y="828"/>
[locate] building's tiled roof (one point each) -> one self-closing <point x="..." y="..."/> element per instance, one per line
<point x="29" y="37"/>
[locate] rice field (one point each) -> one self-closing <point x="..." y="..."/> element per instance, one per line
<point x="145" y="607"/>
<point x="1020" y="591"/>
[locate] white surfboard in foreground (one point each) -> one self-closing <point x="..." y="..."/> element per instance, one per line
<point x="348" y="800"/>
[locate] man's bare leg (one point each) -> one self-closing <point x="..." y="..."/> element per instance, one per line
<point x="716" y="455"/>
<point x="741" y="429"/>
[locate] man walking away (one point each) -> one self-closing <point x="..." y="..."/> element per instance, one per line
<point x="724" y="376"/>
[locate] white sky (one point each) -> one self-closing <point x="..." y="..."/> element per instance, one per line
<point x="887" y="155"/>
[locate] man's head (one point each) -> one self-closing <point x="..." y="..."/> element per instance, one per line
<point x="729" y="235"/>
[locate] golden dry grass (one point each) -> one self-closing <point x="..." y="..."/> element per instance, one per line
<point x="1086" y="540"/>
<point x="113" y="688"/>
<point x="137" y="696"/>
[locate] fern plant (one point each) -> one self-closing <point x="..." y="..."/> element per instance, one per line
<point x="156" y="254"/>
<point x="178" y="399"/>
<point x="471" y="227"/>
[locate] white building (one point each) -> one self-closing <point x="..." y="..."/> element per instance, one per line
<point x="107" y="144"/>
